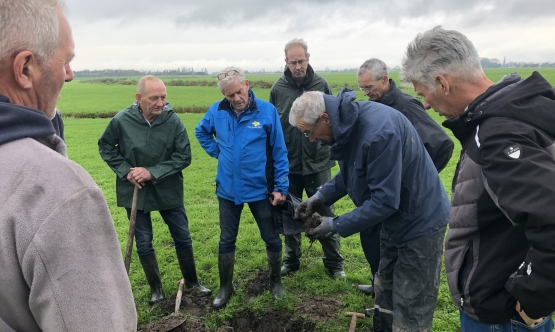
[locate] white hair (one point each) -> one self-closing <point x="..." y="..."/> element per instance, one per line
<point x="230" y="77"/>
<point x="440" y="51"/>
<point x="30" y="25"/>
<point x="307" y="108"/>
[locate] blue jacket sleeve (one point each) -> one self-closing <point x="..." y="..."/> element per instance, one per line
<point x="279" y="154"/>
<point x="205" y="133"/>
<point x="383" y="158"/>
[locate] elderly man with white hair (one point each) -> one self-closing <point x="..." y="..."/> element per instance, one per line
<point x="389" y="176"/>
<point x="61" y="267"/>
<point x="244" y="134"/>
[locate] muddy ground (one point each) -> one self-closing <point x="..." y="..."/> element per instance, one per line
<point x="310" y="311"/>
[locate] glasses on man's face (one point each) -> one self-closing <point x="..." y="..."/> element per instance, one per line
<point x="229" y="73"/>
<point x="366" y="89"/>
<point x="299" y="62"/>
<point x="311" y="130"/>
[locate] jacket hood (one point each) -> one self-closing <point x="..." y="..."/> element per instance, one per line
<point x="138" y="116"/>
<point x="390" y="95"/>
<point x="531" y="101"/>
<point x="17" y="122"/>
<point x="343" y="112"/>
<point x="289" y="77"/>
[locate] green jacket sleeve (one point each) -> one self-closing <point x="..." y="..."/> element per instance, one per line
<point x="109" y="151"/>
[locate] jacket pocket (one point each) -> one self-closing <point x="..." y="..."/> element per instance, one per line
<point x="458" y="264"/>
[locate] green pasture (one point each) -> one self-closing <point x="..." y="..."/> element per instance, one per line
<point x="80" y="97"/>
<point x="202" y="210"/>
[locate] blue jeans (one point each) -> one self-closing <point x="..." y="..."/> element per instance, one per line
<point x="177" y="222"/>
<point x="230" y="215"/>
<point x="516" y="324"/>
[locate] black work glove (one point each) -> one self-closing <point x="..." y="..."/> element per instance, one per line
<point x="309" y="206"/>
<point x="326" y="229"/>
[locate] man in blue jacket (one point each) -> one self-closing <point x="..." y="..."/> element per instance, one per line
<point x="390" y="178"/>
<point x="244" y="134"/>
<point x="373" y="79"/>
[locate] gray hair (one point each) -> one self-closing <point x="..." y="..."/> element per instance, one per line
<point x="296" y="42"/>
<point x="307" y="108"/>
<point x="141" y="86"/>
<point x="440" y="51"/>
<point x="230" y="77"/>
<point x="376" y="67"/>
<point x="30" y="25"/>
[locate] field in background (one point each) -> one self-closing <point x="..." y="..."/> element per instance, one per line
<point x="202" y="210"/>
<point x="78" y="97"/>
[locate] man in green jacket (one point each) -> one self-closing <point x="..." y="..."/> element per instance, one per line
<point x="146" y="145"/>
<point x="309" y="163"/>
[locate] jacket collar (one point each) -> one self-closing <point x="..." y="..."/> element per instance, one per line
<point x="289" y="77"/>
<point x="18" y="122"/>
<point x="391" y="95"/>
<point x="225" y="105"/>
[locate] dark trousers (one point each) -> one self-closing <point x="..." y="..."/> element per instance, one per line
<point x="177" y="222"/>
<point x="407" y="284"/>
<point x="370" y="242"/>
<point x="230" y="215"/>
<point x="331" y="246"/>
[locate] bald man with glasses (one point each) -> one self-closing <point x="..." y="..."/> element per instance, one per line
<point x="309" y="163"/>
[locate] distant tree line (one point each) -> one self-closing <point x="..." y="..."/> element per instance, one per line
<point x="133" y="72"/>
<point x="496" y="63"/>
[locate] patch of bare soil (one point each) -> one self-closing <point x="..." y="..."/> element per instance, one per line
<point x="310" y="311"/>
<point x="257" y="285"/>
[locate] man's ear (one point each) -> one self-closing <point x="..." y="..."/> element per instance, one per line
<point x="442" y="84"/>
<point x="138" y="97"/>
<point x="25" y="69"/>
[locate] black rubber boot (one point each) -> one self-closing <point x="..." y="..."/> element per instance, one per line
<point x="274" y="262"/>
<point x="150" y="266"/>
<point x="187" y="264"/>
<point x="368" y="289"/>
<point x="225" y="268"/>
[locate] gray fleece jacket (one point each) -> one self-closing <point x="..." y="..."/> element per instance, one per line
<point x="61" y="267"/>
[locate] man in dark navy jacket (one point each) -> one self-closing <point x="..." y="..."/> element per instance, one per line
<point x="373" y="80"/>
<point x="391" y="179"/>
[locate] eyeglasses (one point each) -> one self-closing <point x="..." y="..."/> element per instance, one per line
<point x="366" y="88"/>
<point x="311" y="130"/>
<point x="229" y="73"/>
<point x="294" y="63"/>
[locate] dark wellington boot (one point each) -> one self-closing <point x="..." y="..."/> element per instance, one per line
<point x="274" y="262"/>
<point x="225" y="267"/>
<point x="187" y="264"/>
<point x="150" y="266"/>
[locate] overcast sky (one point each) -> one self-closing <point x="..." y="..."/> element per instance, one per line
<point x="166" y="34"/>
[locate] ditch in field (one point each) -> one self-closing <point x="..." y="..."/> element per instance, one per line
<point x="309" y="312"/>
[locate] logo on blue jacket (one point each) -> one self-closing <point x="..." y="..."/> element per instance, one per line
<point x="255" y="124"/>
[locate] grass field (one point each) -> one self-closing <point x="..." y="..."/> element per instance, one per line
<point x="202" y="210"/>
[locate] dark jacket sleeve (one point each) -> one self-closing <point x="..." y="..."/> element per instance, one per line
<point x="436" y="141"/>
<point x="180" y="157"/>
<point x="109" y="151"/>
<point x="522" y="185"/>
